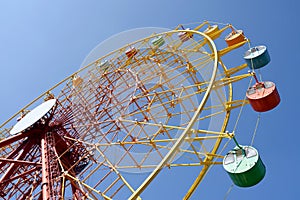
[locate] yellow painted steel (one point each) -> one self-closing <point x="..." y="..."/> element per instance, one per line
<point x="230" y="48"/>
<point x="229" y="106"/>
<point x="63" y="181"/>
<point x="210" y="157"/>
<point x="221" y="135"/>
<point x="118" y="173"/>
<point x="188" y="128"/>
<point x="72" y="178"/>
<point x="234" y="70"/>
<point x="230" y="80"/>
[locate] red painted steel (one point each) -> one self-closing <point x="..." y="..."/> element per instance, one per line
<point x="32" y="161"/>
<point x="45" y="174"/>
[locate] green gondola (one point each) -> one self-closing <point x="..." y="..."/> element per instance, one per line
<point x="244" y="166"/>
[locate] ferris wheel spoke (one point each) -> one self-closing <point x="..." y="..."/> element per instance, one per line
<point x="230" y="71"/>
<point x="20" y="171"/>
<point x="150" y="142"/>
<point x="32" y="188"/>
<point x="226" y="50"/>
<point x="20" y="162"/>
<point x="12" y="139"/>
<point x="15" y="165"/>
<point x="10" y="153"/>
<point x="229" y="80"/>
<point x="236" y="104"/>
<point x="115" y="170"/>
<point x="24" y="188"/>
<point x="77" y="188"/>
<point x="63" y="186"/>
<point x="169" y="103"/>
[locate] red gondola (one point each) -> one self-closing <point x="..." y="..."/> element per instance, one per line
<point x="130" y="52"/>
<point x="263" y="96"/>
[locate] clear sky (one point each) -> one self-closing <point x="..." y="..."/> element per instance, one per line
<point x="41" y="42"/>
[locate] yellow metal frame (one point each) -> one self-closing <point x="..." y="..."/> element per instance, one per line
<point x="210" y="157"/>
<point x="190" y="125"/>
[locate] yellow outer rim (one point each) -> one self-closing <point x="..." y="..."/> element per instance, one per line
<point x="190" y="125"/>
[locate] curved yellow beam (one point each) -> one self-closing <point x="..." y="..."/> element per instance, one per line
<point x="190" y="125"/>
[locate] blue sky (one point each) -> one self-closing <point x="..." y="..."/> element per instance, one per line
<point x="41" y="42"/>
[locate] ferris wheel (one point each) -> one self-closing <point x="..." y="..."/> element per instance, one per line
<point x="160" y="102"/>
